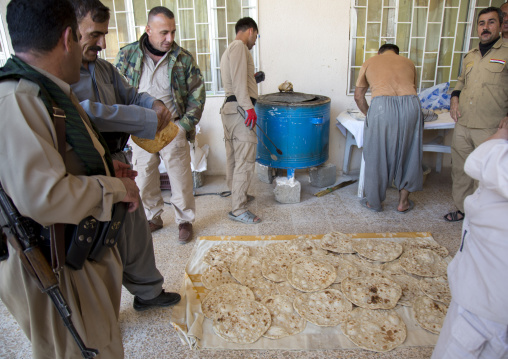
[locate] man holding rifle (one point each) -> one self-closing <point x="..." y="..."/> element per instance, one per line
<point x="56" y="169"/>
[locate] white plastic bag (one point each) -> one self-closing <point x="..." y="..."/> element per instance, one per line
<point x="436" y="97"/>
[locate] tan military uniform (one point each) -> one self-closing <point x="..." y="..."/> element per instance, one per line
<point x="483" y="103"/>
<point x="237" y="72"/>
<point x="48" y="190"/>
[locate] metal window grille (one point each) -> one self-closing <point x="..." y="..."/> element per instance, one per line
<point x="413" y="26"/>
<point x="204" y="27"/>
<point x="4" y="47"/>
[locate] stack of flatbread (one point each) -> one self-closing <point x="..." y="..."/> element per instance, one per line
<point x="356" y="284"/>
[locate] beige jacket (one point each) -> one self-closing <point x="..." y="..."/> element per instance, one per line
<point x="40" y="184"/>
<point x="48" y="190"/>
<point x="237" y="72"/>
<point x="483" y="83"/>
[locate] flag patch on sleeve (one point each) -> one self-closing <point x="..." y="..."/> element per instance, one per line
<point x="497" y="61"/>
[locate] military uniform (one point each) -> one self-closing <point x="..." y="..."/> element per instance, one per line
<point x="50" y="191"/>
<point x="237" y="72"/>
<point x="183" y="92"/>
<point x="113" y="105"/>
<point x="483" y="103"/>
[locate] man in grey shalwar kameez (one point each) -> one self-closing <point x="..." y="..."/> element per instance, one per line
<point x="393" y="128"/>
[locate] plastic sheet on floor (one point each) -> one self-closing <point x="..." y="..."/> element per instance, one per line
<point x="196" y="331"/>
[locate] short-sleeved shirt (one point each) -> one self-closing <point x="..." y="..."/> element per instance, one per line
<point x="483" y="82"/>
<point x="388" y="74"/>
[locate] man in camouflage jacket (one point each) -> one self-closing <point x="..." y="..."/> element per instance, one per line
<point x="182" y="90"/>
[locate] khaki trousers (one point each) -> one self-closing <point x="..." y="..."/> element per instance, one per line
<point x="240" y="143"/>
<point x="93" y="294"/>
<point x="465" y="140"/>
<point x="176" y="157"/>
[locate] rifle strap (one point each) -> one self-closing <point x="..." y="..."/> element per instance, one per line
<point x="57" y="231"/>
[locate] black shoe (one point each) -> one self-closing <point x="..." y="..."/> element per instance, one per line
<point x="164" y="299"/>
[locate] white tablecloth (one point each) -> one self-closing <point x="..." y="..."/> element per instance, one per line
<point x="353" y="121"/>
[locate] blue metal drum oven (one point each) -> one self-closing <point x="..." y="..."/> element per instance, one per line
<point x="298" y="125"/>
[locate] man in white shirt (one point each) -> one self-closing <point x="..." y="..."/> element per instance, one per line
<point x="476" y="325"/>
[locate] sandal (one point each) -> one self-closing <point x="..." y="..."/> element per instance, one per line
<point x="454" y="216"/>
<point x="411" y="206"/>
<point x="364" y="203"/>
<point x="246" y="217"/>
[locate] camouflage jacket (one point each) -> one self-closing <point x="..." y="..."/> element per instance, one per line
<point x="186" y="80"/>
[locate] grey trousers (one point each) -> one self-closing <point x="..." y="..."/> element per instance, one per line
<point x="140" y="274"/>
<point x="392" y="146"/>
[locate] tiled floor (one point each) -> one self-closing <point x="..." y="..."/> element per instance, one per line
<point x="150" y="335"/>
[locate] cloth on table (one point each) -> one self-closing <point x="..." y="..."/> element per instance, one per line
<point x="352" y="121"/>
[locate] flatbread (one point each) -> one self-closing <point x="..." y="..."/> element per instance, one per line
<point x="310" y="275"/>
<point x="275" y="265"/>
<point x="423" y="262"/>
<point x="337" y="242"/>
<point x="378" y="249"/>
<point x="410" y="288"/>
<point x="429" y="314"/>
<point x="285" y="320"/>
<point x="259" y="252"/>
<point x="224" y="294"/>
<point x="426" y="244"/>
<point x="263" y="288"/>
<point x="224" y="254"/>
<point x="369" y="272"/>
<point x="343" y="267"/>
<point x="215" y="276"/>
<point x="376" y="330"/>
<point x="393" y="267"/>
<point x="246" y="270"/>
<point x="372" y="293"/>
<point x="303" y="246"/>
<point x="162" y="139"/>
<point x="326" y="308"/>
<point x="288" y="290"/>
<point x="359" y="261"/>
<point x="437" y="289"/>
<point x="243" y="322"/>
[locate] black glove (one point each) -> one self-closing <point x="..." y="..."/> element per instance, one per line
<point x="259" y="76"/>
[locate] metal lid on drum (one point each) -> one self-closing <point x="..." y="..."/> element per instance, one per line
<point x="292" y="99"/>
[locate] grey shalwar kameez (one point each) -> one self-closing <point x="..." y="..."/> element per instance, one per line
<point x="392" y="146"/>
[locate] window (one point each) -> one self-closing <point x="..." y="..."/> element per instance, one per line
<point x="204" y="27"/>
<point x="434" y="34"/>
<point x="4" y="48"/>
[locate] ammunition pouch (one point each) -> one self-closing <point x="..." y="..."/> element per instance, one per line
<point x="4" y="251"/>
<point x="91" y="238"/>
<point x="87" y="240"/>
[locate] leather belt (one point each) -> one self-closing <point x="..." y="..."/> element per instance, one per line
<point x="232" y="98"/>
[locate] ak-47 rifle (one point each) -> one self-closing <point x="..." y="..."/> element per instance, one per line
<point x="25" y="241"/>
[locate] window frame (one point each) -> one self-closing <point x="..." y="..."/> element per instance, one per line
<point x="469" y="29"/>
<point x="247" y="8"/>
<point x="6" y="52"/>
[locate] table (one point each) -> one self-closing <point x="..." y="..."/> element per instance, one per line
<point x="351" y="123"/>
